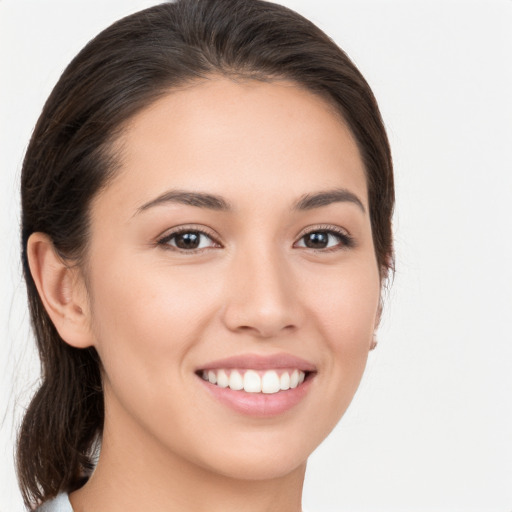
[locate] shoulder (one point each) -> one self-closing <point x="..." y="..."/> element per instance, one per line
<point x="59" y="504"/>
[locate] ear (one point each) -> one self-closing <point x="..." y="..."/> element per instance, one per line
<point x="378" y="317"/>
<point x="62" y="291"/>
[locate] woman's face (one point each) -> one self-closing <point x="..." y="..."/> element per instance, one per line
<point x="235" y="246"/>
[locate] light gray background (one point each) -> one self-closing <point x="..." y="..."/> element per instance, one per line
<point x="431" y="426"/>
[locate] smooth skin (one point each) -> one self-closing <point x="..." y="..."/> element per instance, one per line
<point x="264" y="277"/>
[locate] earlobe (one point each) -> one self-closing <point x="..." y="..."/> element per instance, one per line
<point x="61" y="290"/>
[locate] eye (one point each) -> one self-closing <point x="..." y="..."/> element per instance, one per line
<point x="322" y="239"/>
<point x="188" y="240"/>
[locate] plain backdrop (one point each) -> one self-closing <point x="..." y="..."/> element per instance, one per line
<point x="430" y="428"/>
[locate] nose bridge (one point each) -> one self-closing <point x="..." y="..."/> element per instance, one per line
<point x="262" y="292"/>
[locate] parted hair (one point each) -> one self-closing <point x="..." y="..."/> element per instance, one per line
<point x="70" y="158"/>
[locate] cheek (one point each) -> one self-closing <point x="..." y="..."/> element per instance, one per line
<point x="144" y="325"/>
<point x="345" y="305"/>
<point x="345" y="314"/>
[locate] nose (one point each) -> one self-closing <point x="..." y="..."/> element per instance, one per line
<point x="261" y="294"/>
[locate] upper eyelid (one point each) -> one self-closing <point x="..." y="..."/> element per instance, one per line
<point x="323" y="227"/>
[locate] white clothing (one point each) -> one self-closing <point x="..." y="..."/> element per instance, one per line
<point x="59" y="504"/>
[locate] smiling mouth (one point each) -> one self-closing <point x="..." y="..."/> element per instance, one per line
<point x="255" y="381"/>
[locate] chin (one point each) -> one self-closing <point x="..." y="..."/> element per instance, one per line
<point x="265" y="467"/>
<point x="270" y="453"/>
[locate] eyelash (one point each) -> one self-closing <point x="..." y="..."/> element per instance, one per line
<point x="345" y="240"/>
<point x="166" y="239"/>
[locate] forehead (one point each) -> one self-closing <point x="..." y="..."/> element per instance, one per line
<point x="241" y="139"/>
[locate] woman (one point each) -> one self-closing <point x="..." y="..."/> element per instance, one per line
<point x="207" y="202"/>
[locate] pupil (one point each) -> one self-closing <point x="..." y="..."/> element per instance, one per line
<point x="317" y="240"/>
<point x="188" y="240"/>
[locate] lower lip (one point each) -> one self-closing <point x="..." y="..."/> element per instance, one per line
<point x="259" y="404"/>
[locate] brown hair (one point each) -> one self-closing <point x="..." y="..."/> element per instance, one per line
<point x="121" y="71"/>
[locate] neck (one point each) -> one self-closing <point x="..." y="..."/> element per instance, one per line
<point x="135" y="472"/>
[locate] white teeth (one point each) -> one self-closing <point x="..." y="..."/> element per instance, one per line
<point x="294" y="379"/>
<point x="285" y="381"/>
<point x="222" y="379"/>
<point x="251" y="381"/>
<point x="236" y="381"/>
<point x="270" y="383"/>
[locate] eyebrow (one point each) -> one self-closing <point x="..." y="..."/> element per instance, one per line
<point x="319" y="199"/>
<point x="214" y="202"/>
<point x="199" y="199"/>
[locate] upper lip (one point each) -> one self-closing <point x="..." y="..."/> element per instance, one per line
<point x="261" y="362"/>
